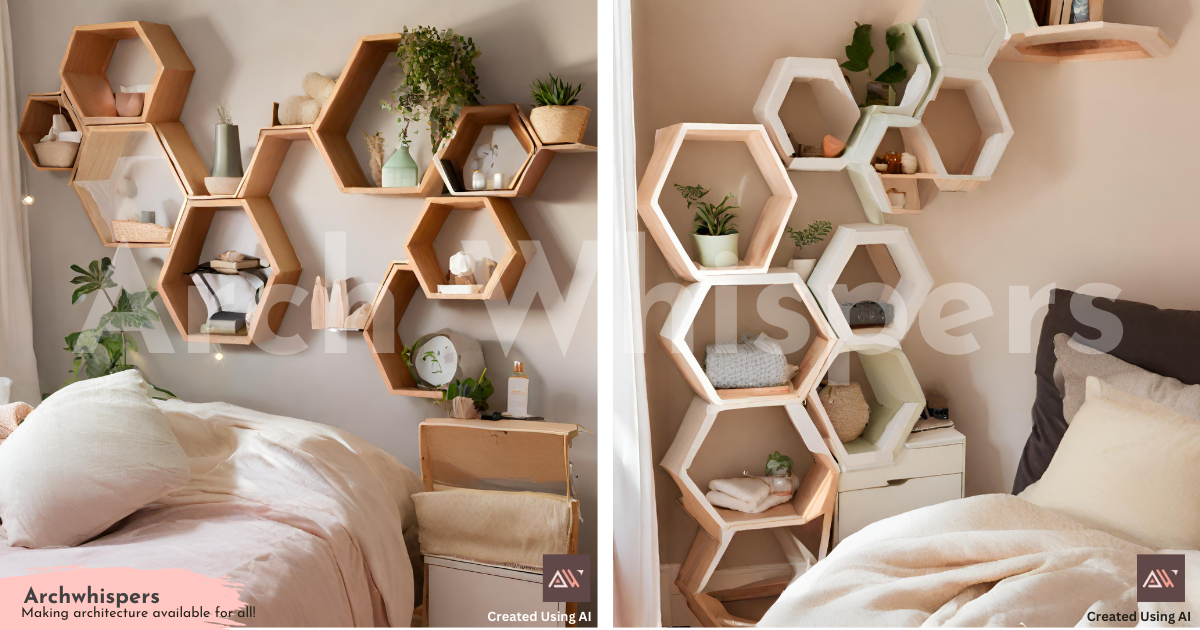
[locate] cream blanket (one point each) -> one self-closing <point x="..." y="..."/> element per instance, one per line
<point x="511" y="529"/>
<point x="987" y="560"/>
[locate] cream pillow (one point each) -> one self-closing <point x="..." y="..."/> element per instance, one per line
<point x="88" y="456"/>
<point x="1127" y="466"/>
<point x="1076" y="362"/>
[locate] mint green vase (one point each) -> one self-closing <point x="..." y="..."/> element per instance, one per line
<point x="400" y="171"/>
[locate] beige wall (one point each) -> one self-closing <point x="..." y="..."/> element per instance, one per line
<point x="1095" y="187"/>
<point x="253" y="53"/>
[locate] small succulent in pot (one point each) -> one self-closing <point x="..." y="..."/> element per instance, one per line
<point x="811" y="235"/>
<point x="779" y="471"/>
<point x="715" y="233"/>
<point x="557" y="119"/>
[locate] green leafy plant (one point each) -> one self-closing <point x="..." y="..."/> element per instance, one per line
<point x="439" y="79"/>
<point x="711" y="219"/>
<point x="479" y="391"/>
<point x="778" y="464"/>
<point x="811" y="235"/>
<point x="860" y="50"/>
<point x="100" y="352"/>
<point x="556" y="92"/>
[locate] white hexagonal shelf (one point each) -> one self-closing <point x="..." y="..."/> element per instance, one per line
<point x="813" y="500"/>
<point x="899" y="264"/>
<point x="683" y="312"/>
<point x="995" y="132"/>
<point x="833" y="97"/>
<point x="764" y="238"/>
<point x="963" y="34"/>
<point x="920" y="75"/>
<point x="864" y="143"/>
<point x="898" y="401"/>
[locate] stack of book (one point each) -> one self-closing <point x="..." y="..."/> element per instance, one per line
<point x="1056" y="12"/>
<point x="231" y="268"/>
<point x="224" y="323"/>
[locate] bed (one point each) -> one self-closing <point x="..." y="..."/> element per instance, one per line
<point x="312" y="521"/>
<point x="1008" y="560"/>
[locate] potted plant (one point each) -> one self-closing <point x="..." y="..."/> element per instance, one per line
<point x="439" y="79"/>
<point x="467" y="398"/>
<point x="779" y="471"/>
<point x="715" y="235"/>
<point x="858" y="59"/>
<point x="556" y="118"/>
<point x="811" y="235"/>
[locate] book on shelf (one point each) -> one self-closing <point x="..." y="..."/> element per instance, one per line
<point x="226" y="266"/>
<point x="225" y="323"/>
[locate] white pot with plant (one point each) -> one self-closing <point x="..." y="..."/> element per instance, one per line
<point x="715" y="235"/>
<point x="779" y="471"/>
<point x="811" y="235"/>
<point x="557" y="119"/>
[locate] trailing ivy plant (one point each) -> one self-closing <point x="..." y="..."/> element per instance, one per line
<point x="478" y="391"/>
<point x="860" y="50"/>
<point x="556" y="92"/>
<point x="711" y="219"/>
<point x="811" y="235"/>
<point x="778" y="464"/>
<point x="439" y="79"/>
<point x="99" y="351"/>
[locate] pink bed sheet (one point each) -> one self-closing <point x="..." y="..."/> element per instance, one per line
<point x="308" y="518"/>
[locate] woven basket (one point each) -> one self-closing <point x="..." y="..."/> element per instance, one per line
<point x="56" y="154"/>
<point x="137" y="232"/>
<point x="847" y="409"/>
<point x="560" y="124"/>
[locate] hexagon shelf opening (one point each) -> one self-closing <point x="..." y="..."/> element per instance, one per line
<point x="197" y="240"/>
<point x="994" y="126"/>
<point x="894" y="255"/>
<point x="896" y="401"/>
<point x="269" y="153"/>
<point x="962" y="34"/>
<point x="383" y="337"/>
<point x="914" y="90"/>
<point x="687" y="306"/>
<point x="833" y="98"/>
<point x="811" y="507"/>
<point x="764" y="238"/>
<point x="431" y="269"/>
<point x="121" y="172"/>
<point x="37" y="119"/>
<point x="334" y="123"/>
<point x="861" y="150"/>
<point x="85" y="65"/>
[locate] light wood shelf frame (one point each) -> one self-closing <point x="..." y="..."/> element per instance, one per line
<point x="332" y="126"/>
<point x="269" y="152"/>
<point x="190" y="234"/>
<point x="419" y="247"/>
<point x="764" y="238"/>
<point x="1089" y="41"/>
<point x="97" y="158"/>
<point x="674" y="337"/>
<point x="899" y="264"/>
<point x="899" y="401"/>
<point x="85" y="64"/>
<point x="833" y="97"/>
<point x="995" y="127"/>
<point x="36" y="120"/>
<point x="813" y="502"/>
<point x="382" y="335"/>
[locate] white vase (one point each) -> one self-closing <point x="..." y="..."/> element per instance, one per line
<point x="803" y="266"/>
<point x="716" y="251"/>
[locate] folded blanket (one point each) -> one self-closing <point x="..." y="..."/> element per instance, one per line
<point x="722" y="500"/>
<point x="752" y="490"/>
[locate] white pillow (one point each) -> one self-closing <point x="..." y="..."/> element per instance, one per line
<point x="1128" y="466"/>
<point x="88" y="456"/>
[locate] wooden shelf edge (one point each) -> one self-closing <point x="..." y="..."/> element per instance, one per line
<point x="1090" y="41"/>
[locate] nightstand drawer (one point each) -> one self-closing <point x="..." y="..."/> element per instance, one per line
<point x="911" y="463"/>
<point x="858" y="508"/>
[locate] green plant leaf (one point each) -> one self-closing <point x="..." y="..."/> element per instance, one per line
<point x="894" y="74"/>
<point x="96" y="277"/>
<point x="556" y="92"/>
<point x="859" y="51"/>
<point x="894" y="39"/>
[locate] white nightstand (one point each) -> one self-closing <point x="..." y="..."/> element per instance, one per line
<point x="930" y="470"/>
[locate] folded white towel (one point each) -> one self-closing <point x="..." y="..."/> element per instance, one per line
<point x="751" y="490"/>
<point x="722" y="500"/>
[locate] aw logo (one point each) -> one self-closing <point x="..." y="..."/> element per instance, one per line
<point x="1160" y="577"/>
<point x="566" y="578"/>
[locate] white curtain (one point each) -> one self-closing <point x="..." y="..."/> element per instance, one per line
<point x="16" y="310"/>
<point x="635" y="523"/>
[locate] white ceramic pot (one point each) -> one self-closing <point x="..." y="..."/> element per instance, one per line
<point x="803" y="266"/>
<point x="897" y="198"/>
<point x="716" y="251"/>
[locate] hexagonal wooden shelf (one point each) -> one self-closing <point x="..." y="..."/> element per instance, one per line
<point x="898" y="404"/>
<point x="387" y="309"/>
<point x="833" y="97"/>
<point x="98" y="159"/>
<point x="269" y="153"/>
<point x="192" y="231"/>
<point x="900" y="266"/>
<point x="860" y="151"/>
<point x="812" y="502"/>
<point x="85" y="65"/>
<point x="36" y="120"/>
<point x="674" y="336"/>
<point x="764" y="238"/>
<point x="1089" y="41"/>
<point x="431" y="272"/>
<point x="337" y="116"/>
